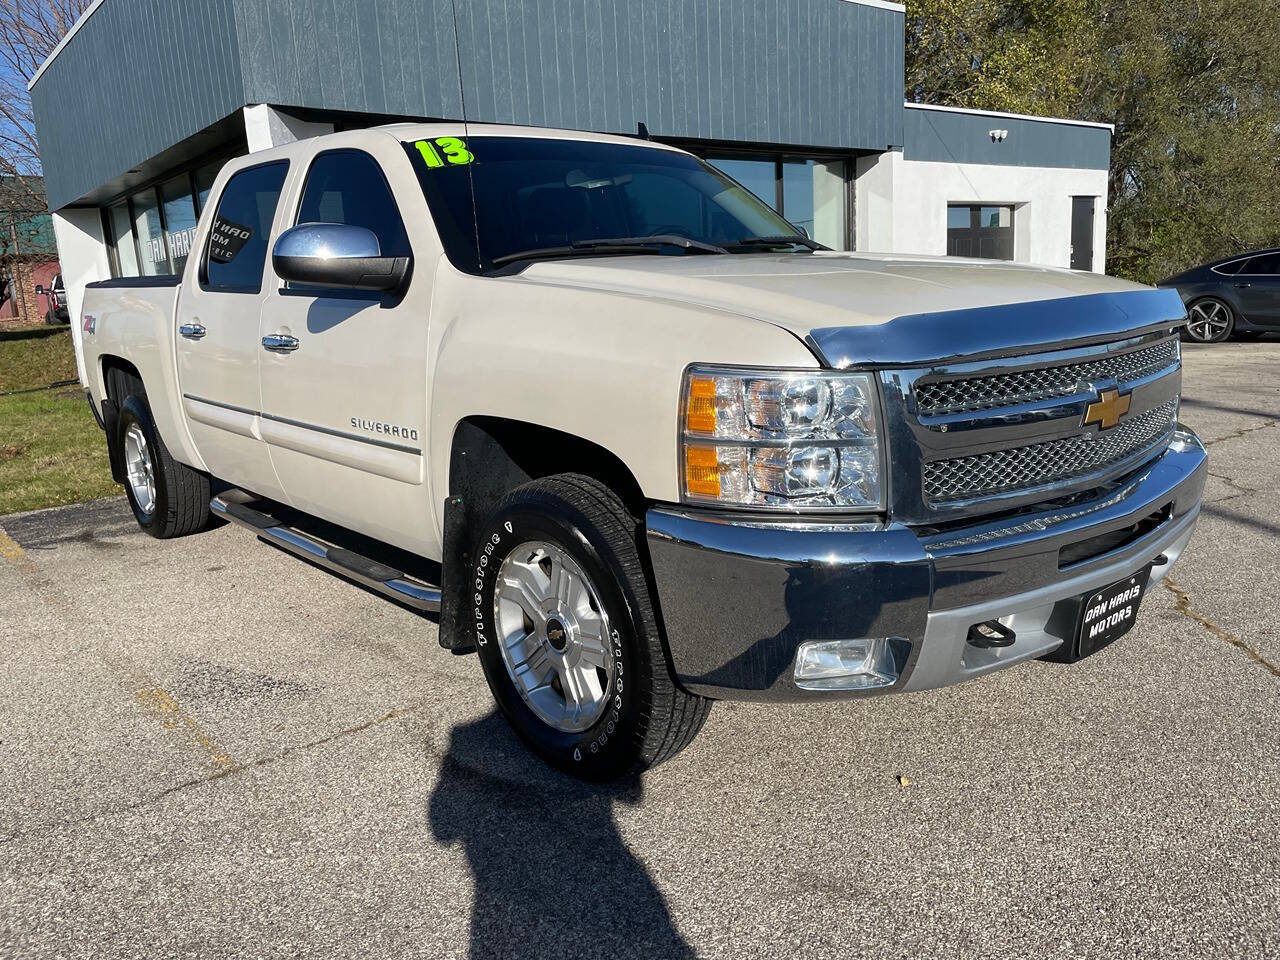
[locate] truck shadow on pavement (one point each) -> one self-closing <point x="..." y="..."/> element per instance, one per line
<point x="552" y="873"/>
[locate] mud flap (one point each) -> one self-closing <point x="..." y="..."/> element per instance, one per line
<point x="457" y="631"/>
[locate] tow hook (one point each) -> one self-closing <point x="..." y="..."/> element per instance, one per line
<point x="990" y="634"/>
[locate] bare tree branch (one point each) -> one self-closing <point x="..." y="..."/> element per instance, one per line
<point x="29" y="31"/>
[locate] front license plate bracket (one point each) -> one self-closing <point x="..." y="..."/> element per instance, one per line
<point x="1097" y="619"/>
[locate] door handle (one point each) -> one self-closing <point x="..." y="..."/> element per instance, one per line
<point x="1242" y="286"/>
<point x="280" y="343"/>
<point x="192" y="331"/>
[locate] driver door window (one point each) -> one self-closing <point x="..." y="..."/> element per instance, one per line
<point x="347" y="186"/>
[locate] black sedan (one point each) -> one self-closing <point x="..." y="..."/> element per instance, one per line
<point x="1240" y="296"/>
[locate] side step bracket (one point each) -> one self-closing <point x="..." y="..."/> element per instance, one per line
<point x="379" y="577"/>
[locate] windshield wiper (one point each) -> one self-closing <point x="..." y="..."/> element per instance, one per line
<point x="657" y="240"/>
<point x="555" y="253"/>
<point x="610" y="245"/>
<point x="781" y="240"/>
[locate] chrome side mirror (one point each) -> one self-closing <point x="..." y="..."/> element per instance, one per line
<point x="336" y="255"/>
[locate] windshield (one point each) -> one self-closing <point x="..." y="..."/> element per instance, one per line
<point x="548" y="197"/>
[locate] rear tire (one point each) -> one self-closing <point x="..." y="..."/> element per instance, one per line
<point x="568" y="636"/>
<point x="169" y="499"/>
<point x="1209" y="320"/>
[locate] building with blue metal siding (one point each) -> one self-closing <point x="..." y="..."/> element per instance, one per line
<point x="800" y="100"/>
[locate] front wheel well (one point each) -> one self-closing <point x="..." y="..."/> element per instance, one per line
<point x="491" y="456"/>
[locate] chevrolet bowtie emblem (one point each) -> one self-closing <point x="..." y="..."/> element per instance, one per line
<point x="1107" y="410"/>
<point x="556" y="635"/>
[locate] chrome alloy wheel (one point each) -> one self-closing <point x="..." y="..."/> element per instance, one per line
<point x="554" y="636"/>
<point x="1208" y="320"/>
<point x="139" y="470"/>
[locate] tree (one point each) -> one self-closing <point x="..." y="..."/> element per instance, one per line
<point x="29" y="30"/>
<point x="1192" y="87"/>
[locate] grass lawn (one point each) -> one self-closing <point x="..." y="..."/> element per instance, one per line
<point x="51" y="450"/>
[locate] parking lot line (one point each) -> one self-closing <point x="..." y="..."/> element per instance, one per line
<point x="161" y="703"/>
<point x="9" y="550"/>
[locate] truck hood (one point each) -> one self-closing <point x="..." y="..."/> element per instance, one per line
<point x="883" y="309"/>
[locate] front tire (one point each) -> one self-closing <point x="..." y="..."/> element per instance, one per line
<point x="568" y="636"/>
<point x="1209" y="320"/>
<point x="169" y="499"/>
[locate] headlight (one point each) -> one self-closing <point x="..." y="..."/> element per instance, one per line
<point x="781" y="440"/>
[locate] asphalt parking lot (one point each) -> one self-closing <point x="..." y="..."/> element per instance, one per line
<point x="208" y="748"/>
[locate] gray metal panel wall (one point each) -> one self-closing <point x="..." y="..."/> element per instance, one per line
<point x="393" y="57"/>
<point x="815" y="72"/>
<point x="136" y="78"/>
<point x="139" y="76"/>
<point x="965" y="138"/>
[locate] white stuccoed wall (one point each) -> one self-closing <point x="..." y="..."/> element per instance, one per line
<point x="82" y="256"/>
<point x="902" y="205"/>
<point x="266" y="127"/>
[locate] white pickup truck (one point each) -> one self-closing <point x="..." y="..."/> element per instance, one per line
<point x="639" y="441"/>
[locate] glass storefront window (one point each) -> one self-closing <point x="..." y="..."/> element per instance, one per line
<point x="146" y="225"/>
<point x="813" y="191"/>
<point x="204" y="183"/>
<point x="126" y="255"/>
<point x="179" y="219"/>
<point x="757" y="174"/>
<point x="153" y="230"/>
<point x="813" y="197"/>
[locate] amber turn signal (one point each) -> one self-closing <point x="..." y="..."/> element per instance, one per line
<point x="702" y="471"/>
<point x="700" y="414"/>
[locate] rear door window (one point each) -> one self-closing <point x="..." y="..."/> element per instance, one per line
<point x="241" y="232"/>
<point x="1266" y="265"/>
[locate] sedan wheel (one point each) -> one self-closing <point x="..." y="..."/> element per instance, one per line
<point x="1209" y="321"/>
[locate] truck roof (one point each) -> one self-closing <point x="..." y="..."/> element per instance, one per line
<point x="420" y="131"/>
<point x="405" y="132"/>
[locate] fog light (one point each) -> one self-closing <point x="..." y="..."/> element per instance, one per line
<point x="850" y="664"/>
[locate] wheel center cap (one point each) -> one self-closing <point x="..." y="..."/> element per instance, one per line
<point x="557" y="635"/>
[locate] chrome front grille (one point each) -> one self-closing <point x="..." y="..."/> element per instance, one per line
<point x="1035" y="465"/>
<point x="972" y="394"/>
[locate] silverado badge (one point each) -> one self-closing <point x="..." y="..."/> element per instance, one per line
<point x="1107" y="410"/>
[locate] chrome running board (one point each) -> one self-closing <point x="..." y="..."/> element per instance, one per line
<point x="379" y="577"/>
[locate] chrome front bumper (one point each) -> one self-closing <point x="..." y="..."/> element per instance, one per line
<point x="738" y="595"/>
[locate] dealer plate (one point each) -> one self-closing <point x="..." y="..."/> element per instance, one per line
<point x="1109" y="614"/>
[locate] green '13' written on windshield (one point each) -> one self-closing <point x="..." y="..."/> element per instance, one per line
<point x="444" y="151"/>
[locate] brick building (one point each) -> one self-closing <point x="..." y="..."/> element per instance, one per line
<point x="28" y="254"/>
